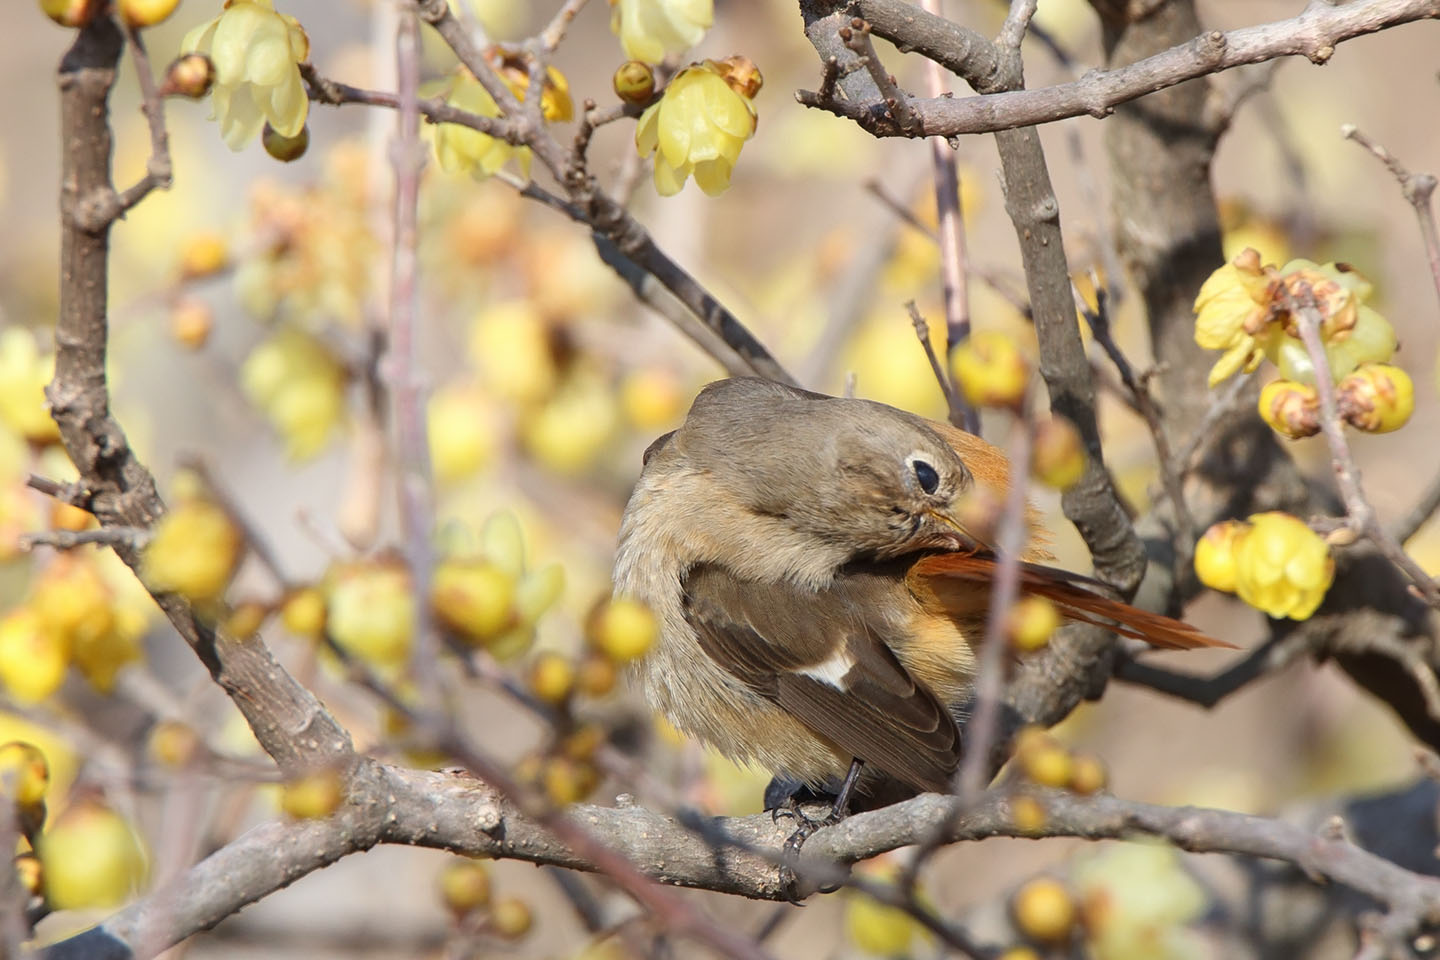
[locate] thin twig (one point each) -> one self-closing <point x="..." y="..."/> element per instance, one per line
<point x="407" y="406"/>
<point x="1359" y="512"/>
<point x="953" y="402"/>
<point x="954" y="282"/>
<point x="158" y="171"/>
<point x="1418" y="189"/>
<point x="1098" y="317"/>
<point x="1218" y="414"/>
<point x="856" y="36"/>
<point x="1017" y="21"/>
<point x="255" y="540"/>
<point x="554" y="31"/>
<point x="133" y="537"/>
<point x="1273" y="655"/>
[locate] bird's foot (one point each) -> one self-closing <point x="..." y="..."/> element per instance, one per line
<point x="806" y="827"/>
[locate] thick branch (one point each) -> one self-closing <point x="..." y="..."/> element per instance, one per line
<point x="390" y="805"/>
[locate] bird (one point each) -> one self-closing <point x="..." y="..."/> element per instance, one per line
<point x="818" y="595"/>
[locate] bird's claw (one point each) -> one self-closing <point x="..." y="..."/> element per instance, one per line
<point x="790" y="853"/>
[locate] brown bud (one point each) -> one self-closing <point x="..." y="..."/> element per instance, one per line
<point x="189" y="75"/>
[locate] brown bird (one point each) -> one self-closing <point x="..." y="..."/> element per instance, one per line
<point x="819" y="598"/>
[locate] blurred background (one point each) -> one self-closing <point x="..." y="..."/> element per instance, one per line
<point x="548" y="380"/>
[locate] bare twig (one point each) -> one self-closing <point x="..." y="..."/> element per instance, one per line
<point x="158" y="170"/>
<point x="1017" y="21"/>
<point x="134" y="538"/>
<point x="1418" y="189"/>
<point x="953" y="266"/>
<point x="407" y="405"/>
<point x="856" y="36"/>
<point x="1359" y="513"/>
<point x="953" y="402"/>
<point x="1273" y="655"/>
<point x="1313" y="34"/>
<point x="554" y="31"/>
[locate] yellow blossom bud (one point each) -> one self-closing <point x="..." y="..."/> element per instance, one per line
<point x="256" y="52"/>
<point x="194" y="552"/>
<point x="283" y="148"/>
<point x="69" y="13"/>
<point x="24" y="371"/>
<point x="464" y="885"/>
<point x="582" y="744"/>
<point x="67" y="516"/>
<point x="173" y="744"/>
<point x="510" y="918"/>
<point x="990" y="369"/>
<point x="1027" y="813"/>
<point x="622" y="629"/>
<point x="1047" y="767"/>
<point x="1377" y="397"/>
<point x="313" y="796"/>
<point x="1087" y="774"/>
<point x="191" y="321"/>
<point x="246" y="619"/>
<point x="297" y="382"/>
<point x="474" y="598"/>
<point x="634" y="82"/>
<point x="203" y="254"/>
<point x="463" y="430"/>
<point x="570" y="430"/>
<point x="552" y="677"/>
<point x="1282" y="566"/>
<point x="1020" y="953"/>
<point x="651" y="29"/>
<point x="145" y="13"/>
<point x="90" y="858"/>
<point x="511" y="345"/>
<point x="1031" y="623"/>
<point x="877" y="928"/>
<point x="697" y="126"/>
<point x="33" y="657"/>
<point x="1042" y="909"/>
<point x="1058" y="458"/>
<point x="569" y="781"/>
<point x="466" y="150"/>
<point x="189" y="75"/>
<point x="370" y="610"/>
<point x="1215" y="555"/>
<point x="651" y="398"/>
<point x="597" y="675"/>
<point x="514" y="71"/>
<point x="303" y="612"/>
<point x="1291" y="408"/>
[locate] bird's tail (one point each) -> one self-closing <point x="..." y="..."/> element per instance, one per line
<point x="1077" y="597"/>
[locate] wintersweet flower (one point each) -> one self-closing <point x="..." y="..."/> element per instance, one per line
<point x="650" y="29"/>
<point x="462" y="149"/>
<point x="1231" y="314"/>
<point x="256" y="53"/>
<point x="699" y="125"/>
<point x="1282" y="567"/>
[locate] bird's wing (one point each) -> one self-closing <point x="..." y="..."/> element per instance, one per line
<point x="813" y="654"/>
<point x="948" y="579"/>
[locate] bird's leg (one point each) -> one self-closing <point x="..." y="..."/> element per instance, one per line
<point x="807" y="826"/>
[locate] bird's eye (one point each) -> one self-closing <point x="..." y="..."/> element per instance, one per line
<point x="929" y="479"/>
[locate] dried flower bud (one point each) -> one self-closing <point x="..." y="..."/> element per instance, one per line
<point x="742" y="75"/>
<point x="189" y="75"/>
<point x="285" y="149"/>
<point x="634" y="82"/>
<point x="1291" y="408"/>
<point x="1377" y="397"/>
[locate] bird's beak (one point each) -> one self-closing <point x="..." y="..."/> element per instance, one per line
<point x="965" y="539"/>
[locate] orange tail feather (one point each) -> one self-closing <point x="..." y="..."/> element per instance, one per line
<point x="1074" y="595"/>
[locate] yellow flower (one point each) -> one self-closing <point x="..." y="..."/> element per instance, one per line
<point x="1292" y="409"/>
<point x="1231" y="313"/>
<point x="1282" y="566"/>
<point x="194" y="552"/>
<point x="23" y="375"/>
<point x="555" y="103"/>
<point x="256" y="53"/>
<point x="466" y="150"/>
<point x="1377" y="397"/>
<point x="299" y="386"/>
<point x="1215" y="554"/>
<point x="697" y="126"/>
<point x="650" y="29"/>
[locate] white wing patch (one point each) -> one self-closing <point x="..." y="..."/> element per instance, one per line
<point x="832" y="670"/>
